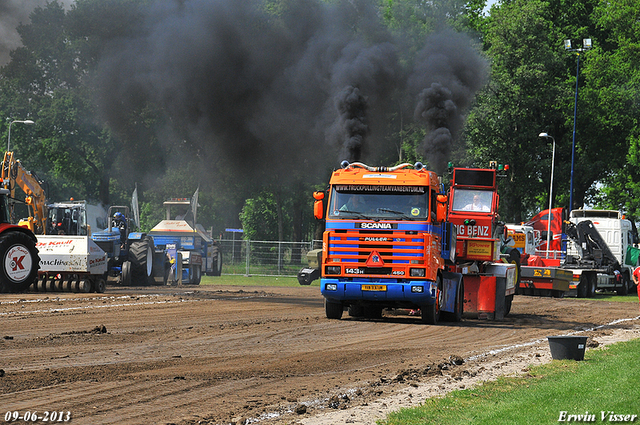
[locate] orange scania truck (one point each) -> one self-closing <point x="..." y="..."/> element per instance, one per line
<point x="388" y="244"/>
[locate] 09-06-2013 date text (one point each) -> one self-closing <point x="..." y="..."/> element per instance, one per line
<point x="29" y="416"/>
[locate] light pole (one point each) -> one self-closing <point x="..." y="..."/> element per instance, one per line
<point x="586" y="45"/>
<point x="29" y="122"/>
<point x="553" y="163"/>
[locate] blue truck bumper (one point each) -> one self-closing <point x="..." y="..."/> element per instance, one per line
<point x="419" y="292"/>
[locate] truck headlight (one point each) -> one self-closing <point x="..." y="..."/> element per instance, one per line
<point x="332" y="270"/>
<point x="417" y="289"/>
<point x="331" y="287"/>
<point x="416" y="272"/>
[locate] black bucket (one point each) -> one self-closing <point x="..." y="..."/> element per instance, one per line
<point x="567" y="347"/>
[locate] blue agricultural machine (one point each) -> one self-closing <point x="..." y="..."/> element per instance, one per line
<point x="130" y="254"/>
<point x="184" y="250"/>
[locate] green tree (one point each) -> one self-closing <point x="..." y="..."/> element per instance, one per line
<point x="613" y="71"/>
<point x="521" y="100"/>
<point x="281" y="213"/>
<point x="50" y="77"/>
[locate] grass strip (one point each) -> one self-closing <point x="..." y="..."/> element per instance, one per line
<point x="606" y="382"/>
<point x="239" y="280"/>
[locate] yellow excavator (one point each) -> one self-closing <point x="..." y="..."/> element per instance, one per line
<point x="15" y="175"/>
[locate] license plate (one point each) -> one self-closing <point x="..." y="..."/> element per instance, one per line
<point x="374" y="287"/>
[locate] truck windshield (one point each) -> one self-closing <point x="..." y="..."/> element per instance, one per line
<point x="385" y="204"/>
<point x="472" y="200"/>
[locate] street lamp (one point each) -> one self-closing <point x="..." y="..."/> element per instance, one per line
<point x="586" y="45"/>
<point x="29" y="122"/>
<point x="553" y="163"/>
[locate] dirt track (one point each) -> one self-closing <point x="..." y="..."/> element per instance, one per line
<point x="214" y="354"/>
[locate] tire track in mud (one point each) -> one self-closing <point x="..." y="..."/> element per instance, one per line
<point x="233" y="353"/>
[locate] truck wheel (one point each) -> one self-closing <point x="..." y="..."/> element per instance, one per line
<point x="20" y="261"/>
<point x="141" y="257"/>
<point x="583" y="286"/>
<point x="355" y="310"/>
<point x="431" y="312"/>
<point x="332" y="310"/>
<point x="456" y="316"/>
<point x="624" y="290"/>
<point x="372" y="312"/>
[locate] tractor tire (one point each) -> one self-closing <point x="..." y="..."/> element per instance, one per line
<point x="197" y="275"/>
<point x="125" y="277"/>
<point x="20" y="261"/>
<point x="217" y="265"/>
<point x="514" y="258"/>
<point x="100" y="285"/>
<point x="141" y="257"/>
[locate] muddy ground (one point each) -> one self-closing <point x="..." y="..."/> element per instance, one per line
<point x="220" y="354"/>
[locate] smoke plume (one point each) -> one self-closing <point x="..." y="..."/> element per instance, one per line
<point x="269" y="93"/>
<point x="12" y="14"/>
<point x="447" y="74"/>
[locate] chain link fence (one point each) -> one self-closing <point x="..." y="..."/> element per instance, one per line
<point x="265" y="258"/>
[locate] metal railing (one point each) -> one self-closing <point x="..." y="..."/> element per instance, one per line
<point x="267" y="258"/>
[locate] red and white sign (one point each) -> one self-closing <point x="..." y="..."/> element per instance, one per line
<point x="18" y="263"/>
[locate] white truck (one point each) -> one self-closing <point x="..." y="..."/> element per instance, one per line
<point x="618" y="236"/>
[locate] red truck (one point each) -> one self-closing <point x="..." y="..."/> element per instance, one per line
<point x="490" y="275"/>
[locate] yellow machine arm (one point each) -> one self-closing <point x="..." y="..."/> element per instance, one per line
<point x="14" y="175"/>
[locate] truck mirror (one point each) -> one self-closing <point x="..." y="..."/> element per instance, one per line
<point x="441" y="208"/>
<point x="318" y="196"/>
<point x="318" y="209"/>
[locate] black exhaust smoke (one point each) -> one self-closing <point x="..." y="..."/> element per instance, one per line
<point x="446" y="76"/>
<point x="351" y="123"/>
<point x="362" y="81"/>
<point x="266" y="92"/>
